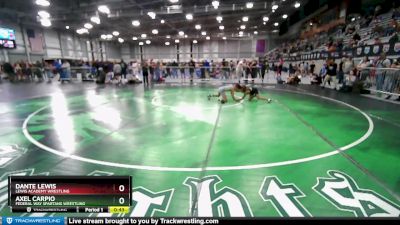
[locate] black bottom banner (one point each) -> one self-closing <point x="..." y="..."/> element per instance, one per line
<point x="205" y="221"/>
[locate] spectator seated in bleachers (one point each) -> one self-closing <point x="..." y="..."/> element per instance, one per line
<point x="393" y="27"/>
<point x="394" y="38"/>
<point x="396" y="13"/>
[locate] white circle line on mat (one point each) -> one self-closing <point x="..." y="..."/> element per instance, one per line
<point x="195" y="169"/>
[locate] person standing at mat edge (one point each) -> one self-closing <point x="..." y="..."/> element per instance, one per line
<point x="232" y="89"/>
<point x="145" y="71"/>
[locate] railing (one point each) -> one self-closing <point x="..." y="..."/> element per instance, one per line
<point x="380" y="80"/>
<point x="39" y="73"/>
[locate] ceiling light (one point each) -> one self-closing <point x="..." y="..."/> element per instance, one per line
<point x="264" y="23"/>
<point x="189" y="16"/>
<point x="167" y="43"/>
<point x="284" y="16"/>
<point x="198" y="27"/>
<point x="194" y="41"/>
<point x="152" y="15"/>
<point x="275" y="7"/>
<point x="136" y="23"/>
<point x="148" y="42"/>
<point x="109" y="36"/>
<point x="134" y="38"/>
<point x="115" y="33"/>
<point x="275" y="31"/>
<point x="42" y="2"/>
<point x="143" y="35"/>
<point x="245" y="18"/>
<point x="297" y="5"/>
<point x="162" y="21"/>
<point x="120" y="40"/>
<point x="176" y="41"/>
<point x="82" y="31"/>
<point x="140" y="43"/>
<point x="311" y="23"/>
<point x="240" y="33"/>
<point x="249" y="5"/>
<point x="44" y="14"/>
<point x="221" y="27"/>
<point x="45" y="22"/>
<point x="203" y="33"/>
<point x="219" y="18"/>
<point x="208" y="37"/>
<point x="224" y="38"/>
<point x="174" y="1"/>
<point x="186" y="36"/>
<point x="104" y="9"/>
<point x="67" y="27"/>
<point x="242" y="27"/>
<point x="265" y="18"/>
<point x="255" y="32"/>
<point x="95" y="19"/>
<point x="215" y="4"/>
<point x="168" y="36"/>
<point x="154" y="31"/>
<point x="181" y="33"/>
<point x="88" y="26"/>
<point x="276" y="24"/>
<point x="103" y="36"/>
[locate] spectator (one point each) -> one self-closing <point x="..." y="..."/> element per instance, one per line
<point x="117" y="72"/>
<point x="396" y="13"/>
<point x="394" y="38"/>
<point x="356" y="37"/>
<point x="392" y="79"/>
<point x="382" y="63"/>
<point x="101" y="78"/>
<point x="239" y="70"/>
<point x="145" y="70"/>
<point x="396" y="65"/>
<point x="192" y="66"/>
<point x="377" y="41"/>
<point x="377" y="10"/>
<point x="66" y="71"/>
<point x="124" y="68"/>
<point x="312" y="67"/>
<point x="331" y="72"/>
<point x="9" y="71"/>
<point x="225" y="69"/>
<point x="340" y="73"/>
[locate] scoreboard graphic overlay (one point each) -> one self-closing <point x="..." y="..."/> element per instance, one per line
<point x="68" y="193"/>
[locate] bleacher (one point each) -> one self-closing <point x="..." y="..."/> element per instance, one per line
<point x="365" y="33"/>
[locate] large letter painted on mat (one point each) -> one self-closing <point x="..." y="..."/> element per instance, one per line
<point x="207" y="201"/>
<point x="146" y="203"/>
<point x="283" y="197"/>
<point x="343" y="192"/>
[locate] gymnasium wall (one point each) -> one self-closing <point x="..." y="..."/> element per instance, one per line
<point x="69" y="45"/>
<point x="35" y="43"/>
<point x="213" y="49"/>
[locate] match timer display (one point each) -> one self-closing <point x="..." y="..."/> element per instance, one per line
<point x="68" y="193"/>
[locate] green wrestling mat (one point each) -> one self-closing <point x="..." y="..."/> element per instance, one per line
<point x="301" y="155"/>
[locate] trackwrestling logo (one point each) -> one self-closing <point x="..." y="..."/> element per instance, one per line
<point x="34" y="221"/>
